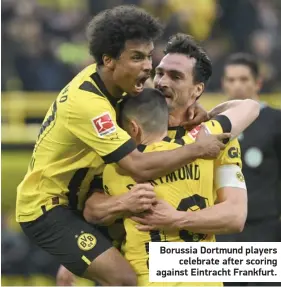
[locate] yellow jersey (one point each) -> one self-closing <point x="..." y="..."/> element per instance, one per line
<point x="232" y="152"/>
<point x="187" y="189"/>
<point x="78" y="136"/>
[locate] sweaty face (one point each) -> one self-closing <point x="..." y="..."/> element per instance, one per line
<point x="239" y="82"/>
<point x="174" y="77"/>
<point x="133" y="67"/>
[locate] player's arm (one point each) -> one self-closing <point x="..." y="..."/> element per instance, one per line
<point x="230" y="212"/>
<point x="93" y="121"/>
<point x="241" y="114"/>
<point x="110" y="197"/>
<point x="102" y="208"/>
<point x="228" y="216"/>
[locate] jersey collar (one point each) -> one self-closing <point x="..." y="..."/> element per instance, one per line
<point x="180" y="131"/>
<point x="142" y="147"/>
<point x="97" y="79"/>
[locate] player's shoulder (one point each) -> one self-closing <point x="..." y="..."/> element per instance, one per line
<point x="86" y="90"/>
<point x="87" y="84"/>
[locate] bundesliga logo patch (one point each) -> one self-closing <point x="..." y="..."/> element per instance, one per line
<point x="103" y="124"/>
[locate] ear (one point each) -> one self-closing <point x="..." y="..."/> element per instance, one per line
<point x="134" y="129"/>
<point x="108" y="62"/>
<point x="199" y="89"/>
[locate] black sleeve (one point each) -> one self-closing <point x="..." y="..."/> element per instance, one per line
<point x="120" y="152"/>
<point x="225" y="124"/>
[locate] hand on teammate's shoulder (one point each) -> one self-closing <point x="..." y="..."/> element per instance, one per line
<point x="196" y="115"/>
<point x="211" y="145"/>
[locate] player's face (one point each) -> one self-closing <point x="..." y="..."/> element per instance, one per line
<point x="174" y="77"/>
<point x="239" y="83"/>
<point x="133" y="67"/>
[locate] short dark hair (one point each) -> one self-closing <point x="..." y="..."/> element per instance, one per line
<point x="185" y="44"/>
<point x="244" y="59"/>
<point x="110" y="29"/>
<point x="149" y="108"/>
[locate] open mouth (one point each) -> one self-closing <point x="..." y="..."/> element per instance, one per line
<point x="139" y="86"/>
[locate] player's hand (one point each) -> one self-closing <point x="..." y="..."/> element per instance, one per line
<point x="65" y="277"/>
<point x="140" y="198"/>
<point x="195" y="115"/>
<point x="211" y="145"/>
<point x="162" y="216"/>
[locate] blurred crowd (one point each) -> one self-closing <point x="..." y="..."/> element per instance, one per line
<point x="44" y="43"/>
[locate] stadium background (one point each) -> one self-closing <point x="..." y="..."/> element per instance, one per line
<point x="44" y="46"/>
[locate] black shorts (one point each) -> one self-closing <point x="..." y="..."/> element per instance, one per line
<point x="65" y="234"/>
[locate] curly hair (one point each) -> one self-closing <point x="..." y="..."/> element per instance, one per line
<point x="109" y="30"/>
<point x="185" y="44"/>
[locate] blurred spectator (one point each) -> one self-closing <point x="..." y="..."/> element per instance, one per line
<point x="44" y="42"/>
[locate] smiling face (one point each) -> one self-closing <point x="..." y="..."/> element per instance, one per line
<point x="174" y="77"/>
<point x="133" y="66"/>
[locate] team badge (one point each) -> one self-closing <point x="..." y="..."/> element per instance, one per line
<point x="103" y="124"/>
<point x="240" y="176"/>
<point x="86" y="241"/>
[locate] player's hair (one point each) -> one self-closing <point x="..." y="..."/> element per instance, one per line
<point x="244" y="59"/>
<point x="148" y="108"/>
<point x="110" y="29"/>
<point x="185" y="44"/>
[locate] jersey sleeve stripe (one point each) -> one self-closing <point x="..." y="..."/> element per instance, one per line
<point x="224" y="122"/>
<point x="120" y="152"/>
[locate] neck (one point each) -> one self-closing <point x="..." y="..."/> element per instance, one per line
<point x="107" y="78"/>
<point x="147" y="139"/>
<point x="176" y="117"/>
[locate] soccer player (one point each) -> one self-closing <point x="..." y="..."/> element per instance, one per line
<point x="190" y="188"/>
<point x="80" y="134"/>
<point x="194" y="74"/>
<point x="261" y="150"/>
<point x="181" y="76"/>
